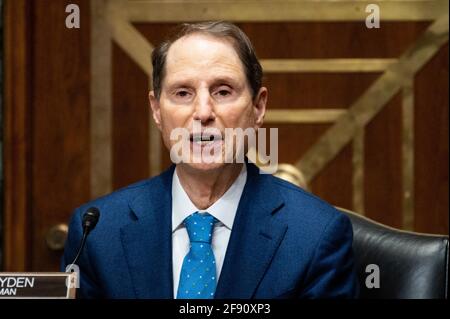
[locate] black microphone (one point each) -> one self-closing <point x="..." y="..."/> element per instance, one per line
<point x="90" y="219"/>
<point x="88" y="223"/>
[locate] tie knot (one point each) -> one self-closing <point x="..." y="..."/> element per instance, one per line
<point x="199" y="227"/>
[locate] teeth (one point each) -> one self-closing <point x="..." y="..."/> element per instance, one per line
<point x="206" y="138"/>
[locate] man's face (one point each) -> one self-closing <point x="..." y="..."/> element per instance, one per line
<point x="205" y="84"/>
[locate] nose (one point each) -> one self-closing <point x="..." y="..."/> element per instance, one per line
<point x="204" y="108"/>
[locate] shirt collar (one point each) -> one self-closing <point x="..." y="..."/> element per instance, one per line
<point x="224" y="209"/>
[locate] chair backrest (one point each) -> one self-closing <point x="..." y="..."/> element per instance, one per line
<point x="411" y="265"/>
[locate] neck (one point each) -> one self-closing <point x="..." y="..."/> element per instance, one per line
<point x="204" y="188"/>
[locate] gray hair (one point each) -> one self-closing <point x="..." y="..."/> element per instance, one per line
<point x="219" y="29"/>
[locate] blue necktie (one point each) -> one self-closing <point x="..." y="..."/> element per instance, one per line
<point x="198" y="273"/>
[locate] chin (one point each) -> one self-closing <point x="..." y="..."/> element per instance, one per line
<point x="204" y="167"/>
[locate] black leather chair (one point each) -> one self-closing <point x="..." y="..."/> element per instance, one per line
<point x="411" y="265"/>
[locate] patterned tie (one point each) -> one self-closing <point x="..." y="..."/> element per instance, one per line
<point x="198" y="273"/>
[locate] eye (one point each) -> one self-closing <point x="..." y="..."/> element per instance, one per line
<point x="182" y="93"/>
<point x="224" y="92"/>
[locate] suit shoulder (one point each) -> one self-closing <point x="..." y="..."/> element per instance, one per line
<point x="118" y="200"/>
<point x="119" y="195"/>
<point x="294" y="192"/>
<point x="304" y="204"/>
<point x="309" y="217"/>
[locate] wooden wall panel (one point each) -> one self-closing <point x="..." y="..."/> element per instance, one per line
<point x="382" y="189"/>
<point x="331" y="39"/>
<point x="315" y="90"/>
<point x="60" y="122"/>
<point x="294" y="139"/>
<point x="383" y="165"/>
<point x="334" y="182"/>
<point x="17" y="144"/>
<point x="131" y="118"/>
<point x="431" y="145"/>
<point x="47" y="120"/>
<point x="156" y="33"/>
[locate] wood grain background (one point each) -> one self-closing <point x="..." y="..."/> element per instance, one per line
<point x="47" y="120"/>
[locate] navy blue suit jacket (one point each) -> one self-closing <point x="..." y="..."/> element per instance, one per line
<point x="285" y="243"/>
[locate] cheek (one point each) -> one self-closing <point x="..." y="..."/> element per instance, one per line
<point x="172" y="117"/>
<point x="238" y="116"/>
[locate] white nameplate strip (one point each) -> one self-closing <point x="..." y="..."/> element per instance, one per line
<point x="45" y="285"/>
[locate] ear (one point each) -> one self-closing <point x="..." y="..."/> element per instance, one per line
<point x="156" y="111"/>
<point x="260" y="107"/>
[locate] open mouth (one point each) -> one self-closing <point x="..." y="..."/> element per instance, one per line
<point x="205" y="139"/>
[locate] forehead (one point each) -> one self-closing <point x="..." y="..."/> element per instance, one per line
<point x="203" y="55"/>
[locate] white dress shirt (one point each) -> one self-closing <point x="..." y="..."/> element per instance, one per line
<point x="224" y="210"/>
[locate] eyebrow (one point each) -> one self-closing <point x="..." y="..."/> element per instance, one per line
<point x="226" y="79"/>
<point x="220" y="80"/>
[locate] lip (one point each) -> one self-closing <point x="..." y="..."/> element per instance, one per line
<point x="214" y="142"/>
<point x="205" y="137"/>
<point x="205" y="143"/>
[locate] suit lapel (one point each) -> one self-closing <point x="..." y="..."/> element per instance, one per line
<point x="147" y="241"/>
<point x="255" y="237"/>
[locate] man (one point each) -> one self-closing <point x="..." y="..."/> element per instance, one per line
<point x="215" y="229"/>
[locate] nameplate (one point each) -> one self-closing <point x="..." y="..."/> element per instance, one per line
<point x="48" y="285"/>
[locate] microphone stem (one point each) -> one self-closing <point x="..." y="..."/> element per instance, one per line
<point x="80" y="249"/>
